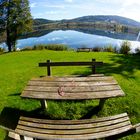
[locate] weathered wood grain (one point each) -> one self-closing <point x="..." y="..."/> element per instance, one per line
<point x="73" y="88"/>
<point x="73" y="79"/>
<point x="53" y="84"/>
<point x="73" y="129"/>
<point x="83" y="121"/>
<point x="72" y="96"/>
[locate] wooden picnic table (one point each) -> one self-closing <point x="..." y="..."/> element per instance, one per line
<point x="95" y="86"/>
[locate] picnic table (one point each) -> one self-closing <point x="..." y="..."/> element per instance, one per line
<point x="95" y="86"/>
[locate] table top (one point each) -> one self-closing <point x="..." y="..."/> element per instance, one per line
<point x="72" y="88"/>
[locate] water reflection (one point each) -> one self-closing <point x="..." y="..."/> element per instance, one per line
<point x="87" y="37"/>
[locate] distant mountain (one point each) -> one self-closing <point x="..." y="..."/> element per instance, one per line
<point x="98" y="18"/>
<point x="104" y="18"/>
<point x="39" y="21"/>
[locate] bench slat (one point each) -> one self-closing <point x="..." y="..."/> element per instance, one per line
<point x="74" y="137"/>
<point x="72" y="96"/>
<point x="97" y="120"/>
<point x="73" y="88"/>
<point x="75" y="79"/>
<point x="43" y="83"/>
<point x="74" y="126"/>
<point x="74" y="129"/>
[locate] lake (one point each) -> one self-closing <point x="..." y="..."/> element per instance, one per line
<point x="79" y="38"/>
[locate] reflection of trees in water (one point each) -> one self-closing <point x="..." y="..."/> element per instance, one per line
<point x="92" y="31"/>
<point x="107" y="33"/>
<point x="36" y="33"/>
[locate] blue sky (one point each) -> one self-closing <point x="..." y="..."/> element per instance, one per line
<point x="68" y="9"/>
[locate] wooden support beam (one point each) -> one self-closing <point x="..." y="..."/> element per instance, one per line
<point x="14" y="135"/>
<point x="101" y="103"/>
<point x="27" y="138"/>
<point x="43" y="104"/>
<point x="48" y="68"/>
<point x="137" y="127"/>
<point x="93" y="67"/>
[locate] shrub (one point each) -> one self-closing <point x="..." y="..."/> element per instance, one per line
<point x="125" y="47"/>
<point x="137" y="50"/>
<point x="27" y="49"/>
<point x="116" y="50"/>
<point x="56" y="47"/>
<point x="109" y="48"/>
<point x="2" y="50"/>
<point x="39" y="47"/>
<point x="97" y="49"/>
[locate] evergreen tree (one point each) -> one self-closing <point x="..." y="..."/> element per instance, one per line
<point x="16" y="18"/>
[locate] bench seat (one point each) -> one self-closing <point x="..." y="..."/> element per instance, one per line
<point x="73" y="129"/>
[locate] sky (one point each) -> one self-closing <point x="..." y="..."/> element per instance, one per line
<point x="68" y="9"/>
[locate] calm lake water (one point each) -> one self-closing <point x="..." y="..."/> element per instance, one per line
<point x="79" y="38"/>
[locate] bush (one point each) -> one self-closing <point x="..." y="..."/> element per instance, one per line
<point x="39" y="47"/>
<point x="109" y="48"/>
<point x="125" y="47"/>
<point x="137" y="50"/>
<point x="56" y="47"/>
<point x="97" y="49"/>
<point x="2" y="50"/>
<point x="27" y="49"/>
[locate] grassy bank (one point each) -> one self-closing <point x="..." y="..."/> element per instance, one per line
<point x="16" y="69"/>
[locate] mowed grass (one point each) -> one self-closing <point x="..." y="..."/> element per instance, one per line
<point x="17" y="68"/>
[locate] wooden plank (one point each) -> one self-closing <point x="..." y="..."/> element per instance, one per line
<point x="73" y="79"/>
<point x="73" y="88"/>
<point x="74" y="126"/>
<point x="86" y="63"/>
<point x="70" y="122"/>
<point x="27" y="138"/>
<point x="72" y="137"/>
<point x="137" y="127"/>
<point x="72" y="96"/>
<point x="95" y="75"/>
<point x="101" y="127"/>
<point x="14" y="135"/>
<point x="72" y="131"/>
<point x="56" y="84"/>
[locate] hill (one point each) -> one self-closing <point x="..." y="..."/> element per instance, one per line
<point x="39" y="21"/>
<point x="110" y="19"/>
<point x="98" y="18"/>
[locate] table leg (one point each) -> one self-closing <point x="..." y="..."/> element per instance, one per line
<point x="101" y="103"/>
<point x="43" y="104"/>
<point x="27" y="138"/>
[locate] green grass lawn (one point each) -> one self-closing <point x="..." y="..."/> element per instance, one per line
<point x="16" y="69"/>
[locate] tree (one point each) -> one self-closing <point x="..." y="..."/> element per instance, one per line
<point x="17" y="19"/>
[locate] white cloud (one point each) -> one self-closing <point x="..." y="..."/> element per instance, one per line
<point x="54" y="39"/>
<point x="55" y="12"/>
<point x="32" y="5"/>
<point x="69" y="1"/>
<point x="131" y="2"/>
<point x="55" y="6"/>
<point x="130" y="9"/>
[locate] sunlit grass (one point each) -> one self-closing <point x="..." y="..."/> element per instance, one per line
<point x="16" y="69"/>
